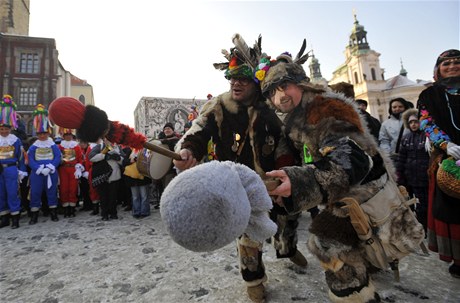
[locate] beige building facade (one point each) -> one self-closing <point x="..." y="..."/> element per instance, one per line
<point x="14" y="17"/>
<point x="362" y="69"/>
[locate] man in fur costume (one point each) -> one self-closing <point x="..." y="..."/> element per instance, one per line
<point x="244" y="130"/>
<point x="341" y="164"/>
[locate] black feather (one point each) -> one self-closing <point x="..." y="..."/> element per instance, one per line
<point x="302" y="49"/>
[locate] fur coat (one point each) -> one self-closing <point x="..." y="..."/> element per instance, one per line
<point x="223" y="120"/>
<point x="346" y="161"/>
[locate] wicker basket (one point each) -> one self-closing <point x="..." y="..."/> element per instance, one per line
<point x="447" y="181"/>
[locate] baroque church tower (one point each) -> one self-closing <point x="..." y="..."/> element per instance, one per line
<point x="362" y="69"/>
<point x="315" y="71"/>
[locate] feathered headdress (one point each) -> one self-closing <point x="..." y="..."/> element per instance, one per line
<point x="242" y="60"/>
<point x="40" y="119"/>
<point x="8" y="117"/>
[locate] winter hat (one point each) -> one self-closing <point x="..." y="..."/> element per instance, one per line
<point x="451" y="54"/>
<point x="40" y="119"/>
<point x="412" y="118"/>
<point x="242" y="60"/>
<point x="286" y="69"/>
<point x="409" y="115"/>
<point x="8" y="115"/>
<point x="170" y="125"/>
<point x="208" y="206"/>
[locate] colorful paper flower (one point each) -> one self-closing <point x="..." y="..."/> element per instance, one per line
<point x="262" y="69"/>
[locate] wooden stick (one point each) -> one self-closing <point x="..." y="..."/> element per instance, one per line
<point x="270" y="184"/>
<point x="163" y="151"/>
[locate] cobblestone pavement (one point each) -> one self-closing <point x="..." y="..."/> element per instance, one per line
<point x="84" y="259"/>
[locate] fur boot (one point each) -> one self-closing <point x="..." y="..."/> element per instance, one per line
<point x="366" y="295"/>
<point x="256" y="293"/>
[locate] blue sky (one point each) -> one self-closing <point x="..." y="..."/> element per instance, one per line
<point x="130" y="49"/>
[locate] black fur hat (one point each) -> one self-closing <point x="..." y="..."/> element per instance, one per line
<point x="94" y="126"/>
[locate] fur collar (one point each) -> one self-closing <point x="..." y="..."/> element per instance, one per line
<point x="332" y="105"/>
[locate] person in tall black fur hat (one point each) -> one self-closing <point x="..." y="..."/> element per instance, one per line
<point x="342" y="170"/>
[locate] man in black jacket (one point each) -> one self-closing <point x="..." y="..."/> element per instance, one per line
<point x="373" y="123"/>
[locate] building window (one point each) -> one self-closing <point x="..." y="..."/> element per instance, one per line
<point x="356" y="77"/>
<point x="28" y="96"/>
<point x="373" y="74"/>
<point x="29" y="63"/>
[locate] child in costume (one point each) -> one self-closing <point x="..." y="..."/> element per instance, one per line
<point x="44" y="157"/>
<point x="12" y="167"/>
<point x="70" y="171"/>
